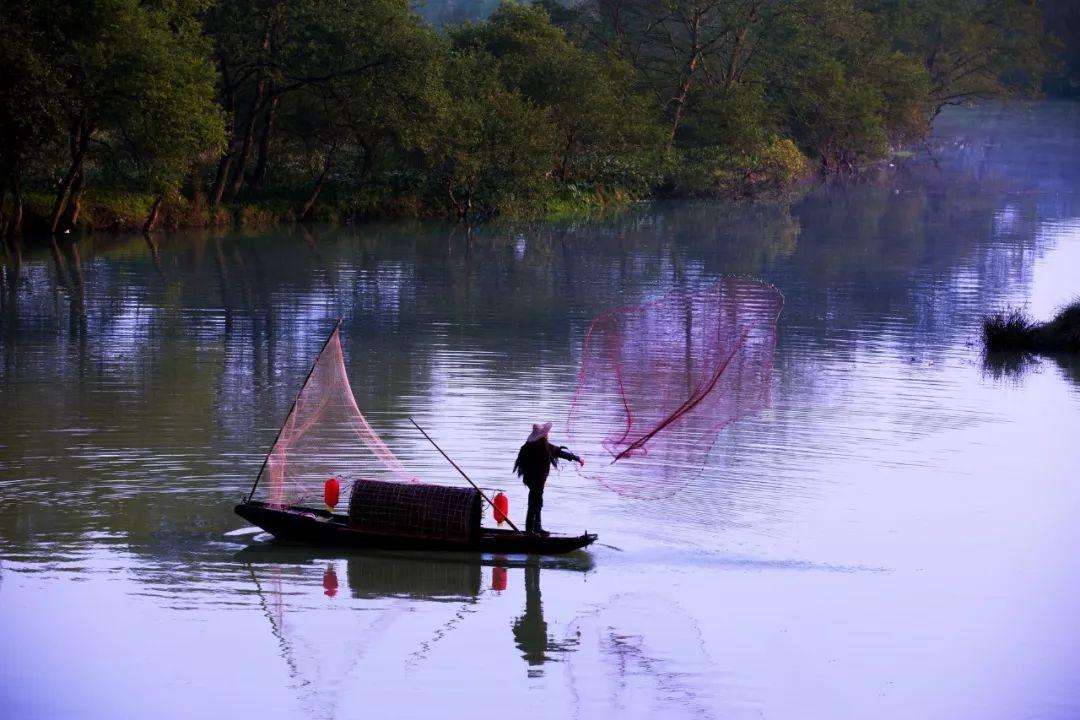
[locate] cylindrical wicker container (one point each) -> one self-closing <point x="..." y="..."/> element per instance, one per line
<point x="417" y="578"/>
<point x="415" y="510"/>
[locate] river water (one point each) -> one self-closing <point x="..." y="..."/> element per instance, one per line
<point x="894" y="536"/>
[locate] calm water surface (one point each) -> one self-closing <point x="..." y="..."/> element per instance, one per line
<point x="895" y="536"/>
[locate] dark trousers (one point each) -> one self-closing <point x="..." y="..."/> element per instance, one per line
<point x="536" y="503"/>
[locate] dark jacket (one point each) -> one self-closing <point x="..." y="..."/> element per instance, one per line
<point x="535" y="460"/>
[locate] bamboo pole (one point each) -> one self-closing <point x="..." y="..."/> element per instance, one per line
<point x="508" y="520"/>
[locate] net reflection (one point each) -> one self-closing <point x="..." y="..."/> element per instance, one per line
<point x="629" y="653"/>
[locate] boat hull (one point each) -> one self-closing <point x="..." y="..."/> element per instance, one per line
<point x="318" y="527"/>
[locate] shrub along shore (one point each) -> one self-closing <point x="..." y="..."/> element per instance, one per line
<point x="1015" y="331"/>
<point x="121" y="114"/>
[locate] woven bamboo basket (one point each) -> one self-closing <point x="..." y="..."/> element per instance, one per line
<point x="415" y="510"/>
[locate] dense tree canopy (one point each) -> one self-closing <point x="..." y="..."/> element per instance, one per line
<point x="365" y="107"/>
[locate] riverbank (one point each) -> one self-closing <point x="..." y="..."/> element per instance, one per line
<point x="105" y="210"/>
<point x="775" y="169"/>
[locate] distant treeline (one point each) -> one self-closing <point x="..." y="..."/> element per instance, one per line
<point x="196" y="112"/>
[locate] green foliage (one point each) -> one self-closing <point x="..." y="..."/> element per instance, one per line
<point x="840" y="90"/>
<point x="735" y="117"/>
<point x="496" y="149"/>
<point x="124" y="91"/>
<point x="176" y="119"/>
<point x="591" y="99"/>
<point x="971" y="50"/>
<point x="772" y="166"/>
<point x="330" y="108"/>
<point x="31" y="109"/>
<point x="1063" y="22"/>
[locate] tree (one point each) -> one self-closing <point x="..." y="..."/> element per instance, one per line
<point x="496" y="148"/>
<point x="971" y="49"/>
<point x="132" y="77"/>
<point x="681" y="45"/>
<point x="30" y="108"/>
<point x="347" y="58"/>
<point x="367" y="124"/>
<point x="177" y="123"/>
<point x="839" y="89"/>
<point x="590" y="98"/>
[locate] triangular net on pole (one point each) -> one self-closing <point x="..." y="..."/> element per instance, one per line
<point x="659" y="381"/>
<point x="325" y="435"/>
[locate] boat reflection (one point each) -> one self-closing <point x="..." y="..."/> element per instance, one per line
<point x="299" y="589"/>
<point x="440" y="577"/>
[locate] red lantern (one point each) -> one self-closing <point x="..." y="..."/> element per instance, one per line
<point x="502" y="507"/>
<point x="498" y="578"/>
<point x="329" y="581"/>
<point x="331" y="493"/>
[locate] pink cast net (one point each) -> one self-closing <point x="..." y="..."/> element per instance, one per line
<point x="325" y="435"/>
<point x="659" y="381"/>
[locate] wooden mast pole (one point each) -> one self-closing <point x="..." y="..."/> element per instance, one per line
<point x="277" y="437"/>
<point x="508" y="520"/>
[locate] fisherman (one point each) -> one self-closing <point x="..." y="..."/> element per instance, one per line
<point x="534" y="461"/>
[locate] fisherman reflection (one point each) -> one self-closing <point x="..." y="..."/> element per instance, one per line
<point x="531" y="630"/>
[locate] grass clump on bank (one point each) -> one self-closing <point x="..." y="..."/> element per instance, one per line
<point x="1013" y="330"/>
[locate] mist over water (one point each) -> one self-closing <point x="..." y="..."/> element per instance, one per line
<point x="893" y="536"/>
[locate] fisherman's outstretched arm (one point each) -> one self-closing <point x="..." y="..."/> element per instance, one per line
<point x="565" y="454"/>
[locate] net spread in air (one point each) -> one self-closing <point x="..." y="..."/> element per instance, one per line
<point x="659" y="381"/>
<point x="325" y="435"/>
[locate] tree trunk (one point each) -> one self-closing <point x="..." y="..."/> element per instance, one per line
<point x="688" y="79"/>
<point x="225" y="162"/>
<point x="3" y="215"/>
<point x="249" y="129"/>
<point x="194" y="193"/>
<point x="224" y="165"/>
<point x="80" y="141"/>
<point x="680" y="98"/>
<point x="15" y="221"/>
<point x="733" y="60"/>
<point x="564" y="168"/>
<point x="241" y="160"/>
<point x="74" y="205"/>
<point x="258" y="178"/>
<point x="151" y="219"/>
<point x="309" y="204"/>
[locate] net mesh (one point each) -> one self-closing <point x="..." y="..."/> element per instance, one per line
<point x="324" y="436"/>
<point x="659" y="381"/>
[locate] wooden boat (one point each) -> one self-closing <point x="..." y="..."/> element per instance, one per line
<point x="320" y="527"/>
<point x="399" y="514"/>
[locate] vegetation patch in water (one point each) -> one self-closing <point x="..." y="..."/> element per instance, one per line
<point x="1013" y="329"/>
